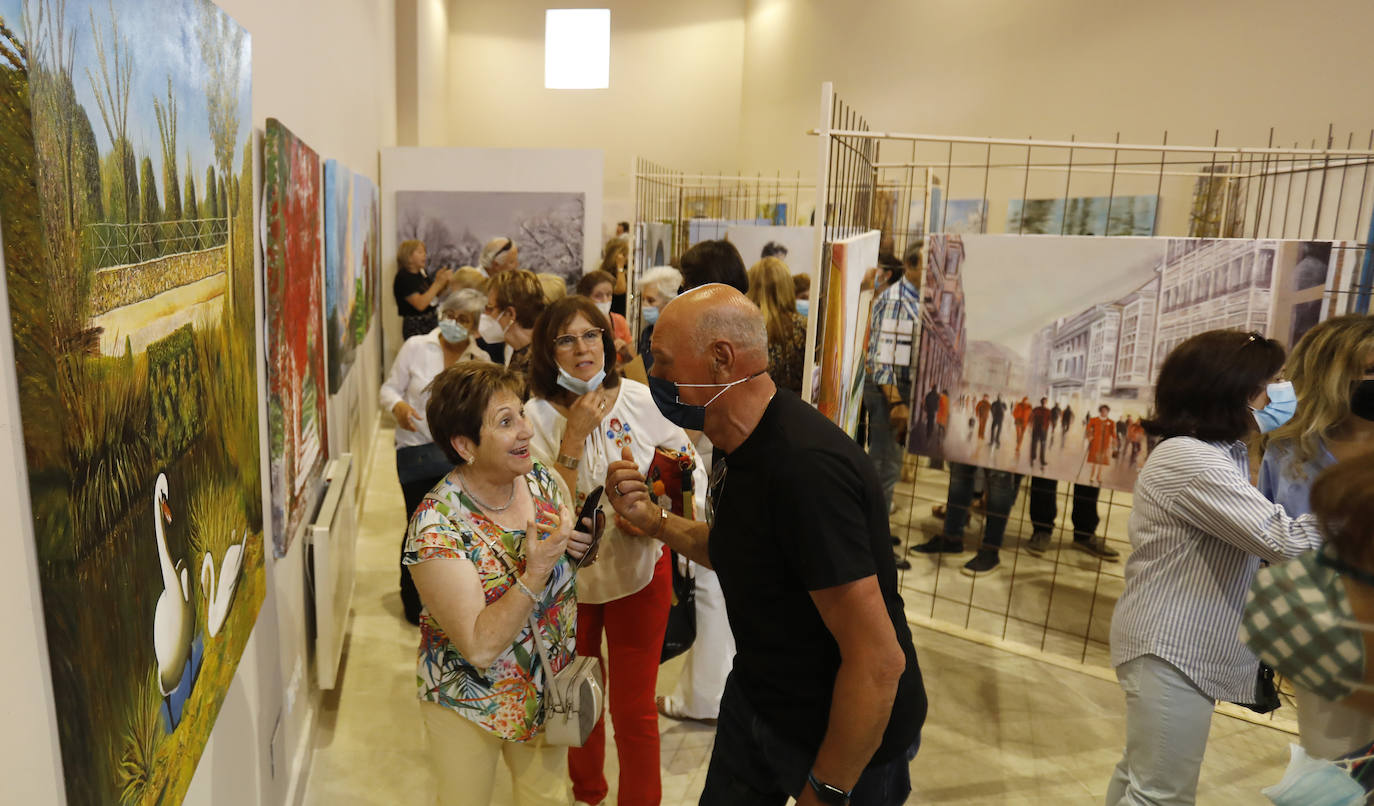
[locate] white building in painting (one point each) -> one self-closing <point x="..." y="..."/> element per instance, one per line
<point x="1211" y="284"/>
<point x="1083" y="353"/>
<point x="1133" y="376"/>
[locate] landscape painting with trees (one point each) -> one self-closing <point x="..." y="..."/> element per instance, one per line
<point x="127" y="209"/>
<point x="297" y="402"/>
<point x="352" y="226"/>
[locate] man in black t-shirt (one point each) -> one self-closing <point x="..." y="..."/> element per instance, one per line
<point x="825" y="701"/>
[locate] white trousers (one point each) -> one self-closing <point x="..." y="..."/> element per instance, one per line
<point x="712" y="654"/>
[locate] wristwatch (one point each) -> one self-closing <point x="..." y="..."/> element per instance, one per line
<point x="827" y="794"/>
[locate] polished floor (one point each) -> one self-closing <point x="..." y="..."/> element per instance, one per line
<point x="1004" y="727"/>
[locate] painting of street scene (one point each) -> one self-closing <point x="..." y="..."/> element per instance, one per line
<point x="1039" y="354"/>
<point x="126" y="197"/>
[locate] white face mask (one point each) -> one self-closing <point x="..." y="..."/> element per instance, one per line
<point x="578" y="386"/>
<point x="490" y="329"/>
<point x="605" y="308"/>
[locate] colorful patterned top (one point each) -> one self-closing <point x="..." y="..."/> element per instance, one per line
<point x="785" y="357"/>
<point x="506" y="697"/>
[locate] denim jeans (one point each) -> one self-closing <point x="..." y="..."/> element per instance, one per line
<point x="1044" y="507"/>
<point x="882" y="442"/>
<point x="1167" y="720"/>
<point x="1001" y="489"/>
<point x="752" y="765"/>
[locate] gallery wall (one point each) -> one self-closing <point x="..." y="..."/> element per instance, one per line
<point x="1052" y="69"/>
<point x="674" y="95"/>
<point x="345" y="108"/>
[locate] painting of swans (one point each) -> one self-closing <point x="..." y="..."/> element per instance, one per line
<point x="127" y="214"/>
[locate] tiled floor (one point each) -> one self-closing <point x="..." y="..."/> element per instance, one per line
<point x="1003" y="728"/>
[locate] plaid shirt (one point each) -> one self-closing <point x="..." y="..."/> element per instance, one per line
<point x="892" y="331"/>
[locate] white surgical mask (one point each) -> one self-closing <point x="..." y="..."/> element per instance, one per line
<point x="490" y="329"/>
<point x="452" y="331"/>
<point x="578" y="386"/>
<point x="1314" y="782"/>
<point x="605" y="308"/>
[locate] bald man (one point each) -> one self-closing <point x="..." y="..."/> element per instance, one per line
<point x="825" y="701"/>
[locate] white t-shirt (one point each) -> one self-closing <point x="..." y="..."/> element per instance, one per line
<point x="420" y="359"/>
<point x="625" y="564"/>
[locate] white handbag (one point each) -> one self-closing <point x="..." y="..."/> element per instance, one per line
<point x="573" y="699"/>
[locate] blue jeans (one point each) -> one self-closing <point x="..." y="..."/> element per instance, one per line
<point x="882" y="441"/>
<point x="752" y="765"/>
<point x="1167" y="720"/>
<point x="1001" y="495"/>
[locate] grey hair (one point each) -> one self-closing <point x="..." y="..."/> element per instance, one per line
<point x="666" y="280"/>
<point x="468" y="301"/>
<point x="492" y="247"/>
<point x="741" y="326"/>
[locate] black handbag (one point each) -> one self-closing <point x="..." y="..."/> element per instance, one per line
<point x="682" y="615"/>
<point x="1266" y="692"/>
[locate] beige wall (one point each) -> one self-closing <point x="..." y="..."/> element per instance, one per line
<point x="1053" y="68"/>
<point x="674" y="94"/>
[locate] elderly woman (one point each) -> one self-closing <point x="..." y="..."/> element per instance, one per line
<point x="555" y="287"/>
<point x="585" y="416"/>
<point x="514" y="301"/>
<point x="415" y="291"/>
<point x="657" y="288"/>
<point x="1198" y="533"/>
<point x="420" y="464"/>
<point x="500" y="254"/>
<point x="770" y="288"/>
<point x="491" y="548"/>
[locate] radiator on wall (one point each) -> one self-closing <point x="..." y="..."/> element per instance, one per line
<point x="333" y="548"/>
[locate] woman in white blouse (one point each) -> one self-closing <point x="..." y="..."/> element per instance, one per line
<point x="420" y="464"/>
<point x="584" y="416"/>
<point x="1198" y="531"/>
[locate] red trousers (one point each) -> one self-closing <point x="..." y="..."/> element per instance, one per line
<point x="634" y="627"/>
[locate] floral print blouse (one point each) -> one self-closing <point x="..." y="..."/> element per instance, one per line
<point x="505" y="698"/>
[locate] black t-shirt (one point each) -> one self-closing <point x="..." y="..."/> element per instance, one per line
<point x="405" y="284"/>
<point x="801" y="509"/>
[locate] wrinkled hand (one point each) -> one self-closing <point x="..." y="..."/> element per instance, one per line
<point x="550" y="540"/>
<point x="629" y="494"/>
<point x="585" y="415"/>
<point x="406" y="416"/>
<point x="584" y="545"/>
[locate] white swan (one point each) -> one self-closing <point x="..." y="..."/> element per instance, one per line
<point x="172" y="621"/>
<point x="219" y="597"/>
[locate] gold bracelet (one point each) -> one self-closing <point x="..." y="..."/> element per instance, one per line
<point x="662" y="523"/>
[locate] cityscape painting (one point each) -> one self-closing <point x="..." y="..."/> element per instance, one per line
<point x="1039" y="355"/>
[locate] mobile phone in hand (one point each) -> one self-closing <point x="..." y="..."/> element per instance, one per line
<point x="589" y="512"/>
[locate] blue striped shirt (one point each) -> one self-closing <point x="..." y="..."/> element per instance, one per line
<point x="1198" y="532"/>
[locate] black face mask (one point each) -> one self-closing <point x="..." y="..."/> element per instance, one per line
<point x="1362" y="402"/>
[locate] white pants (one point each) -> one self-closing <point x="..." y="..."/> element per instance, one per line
<point x="464" y="758"/>
<point x="712" y="654"/>
<point x="1167" y="721"/>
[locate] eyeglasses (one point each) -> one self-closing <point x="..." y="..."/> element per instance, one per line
<point x="589" y="339"/>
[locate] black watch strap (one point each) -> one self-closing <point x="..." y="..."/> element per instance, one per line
<point x="827" y="794"/>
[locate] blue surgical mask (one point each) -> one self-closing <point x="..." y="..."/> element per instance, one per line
<point x="1283" y="402"/>
<point x="804" y="307"/>
<point x="650" y="315"/>
<point x="686" y="415"/>
<point x="452" y="332"/>
<point x="1314" y="782"/>
<point x="578" y="386"/>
